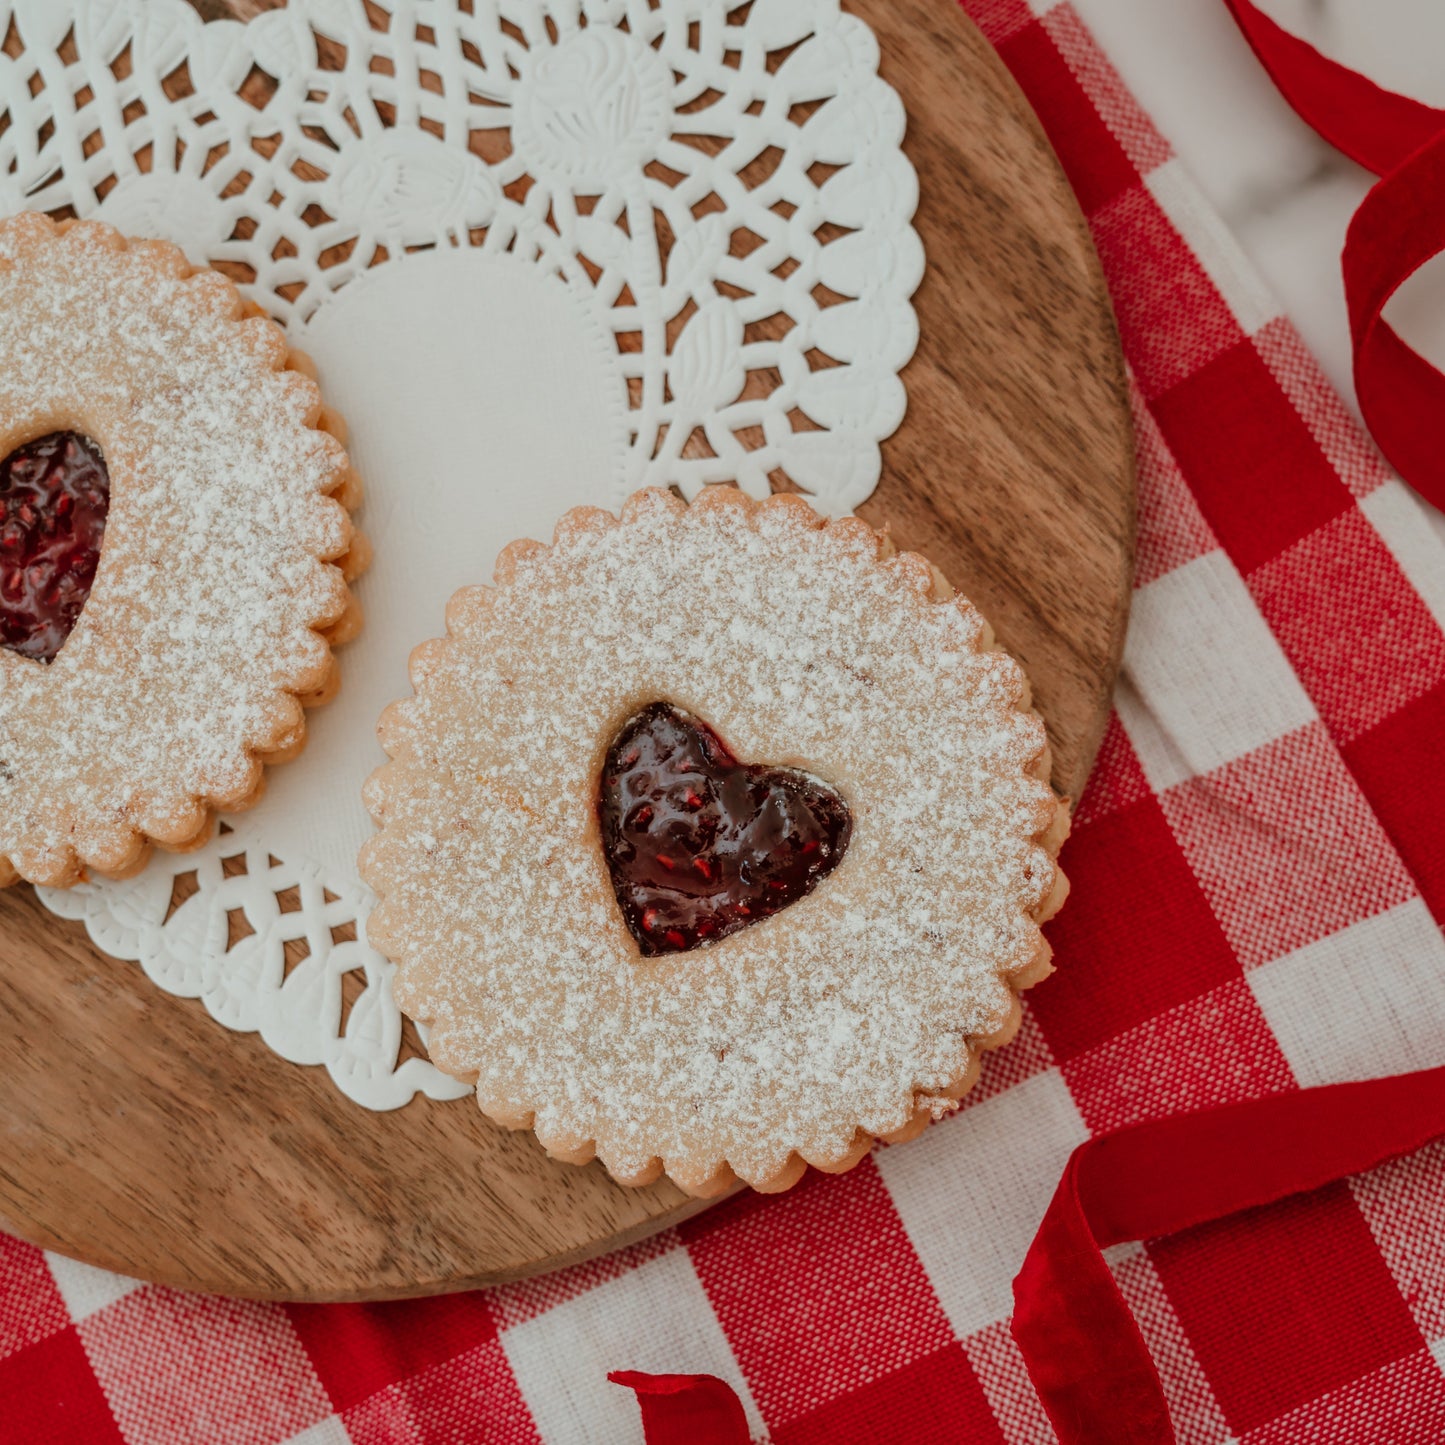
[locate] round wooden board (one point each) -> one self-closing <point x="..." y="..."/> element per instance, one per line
<point x="141" y="1136"/>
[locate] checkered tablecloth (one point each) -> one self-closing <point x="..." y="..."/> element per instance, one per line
<point x="1259" y="884"/>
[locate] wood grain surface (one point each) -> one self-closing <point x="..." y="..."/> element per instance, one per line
<point x="141" y="1136"/>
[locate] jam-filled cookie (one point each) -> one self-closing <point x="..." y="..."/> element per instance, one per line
<point x="715" y="840"/>
<point x="175" y="546"/>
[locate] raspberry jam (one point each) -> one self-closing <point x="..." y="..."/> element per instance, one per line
<point x="701" y="845"/>
<point x="54" y="494"/>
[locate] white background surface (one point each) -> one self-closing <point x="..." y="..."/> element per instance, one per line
<point x="1285" y="194"/>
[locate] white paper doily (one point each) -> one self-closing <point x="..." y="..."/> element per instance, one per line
<point x="532" y="249"/>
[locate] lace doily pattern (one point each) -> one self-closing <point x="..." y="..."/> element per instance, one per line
<point x="268" y="948"/>
<point x="722" y="184"/>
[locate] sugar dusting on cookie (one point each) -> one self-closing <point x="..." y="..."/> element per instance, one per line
<point x="199" y="626"/>
<point x="858" y="1007"/>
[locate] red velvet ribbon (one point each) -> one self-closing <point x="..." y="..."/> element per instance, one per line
<point x="1399" y="226"/>
<point x="1084" y="1352"/>
<point x="686" y="1409"/>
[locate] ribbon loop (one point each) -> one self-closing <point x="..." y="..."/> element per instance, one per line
<point x="1399" y="226"/>
<point x="1084" y="1351"/>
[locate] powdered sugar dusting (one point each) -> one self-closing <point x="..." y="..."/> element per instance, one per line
<point x="199" y="623"/>
<point x="854" y="1007"/>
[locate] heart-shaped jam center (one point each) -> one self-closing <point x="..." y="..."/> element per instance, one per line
<point x="54" y="494"/>
<point x="701" y="845"/>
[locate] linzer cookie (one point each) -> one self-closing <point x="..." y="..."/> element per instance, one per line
<point x="715" y="840"/>
<point x="175" y="547"/>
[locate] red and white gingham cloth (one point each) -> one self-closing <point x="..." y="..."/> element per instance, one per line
<point x="1259" y="887"/>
